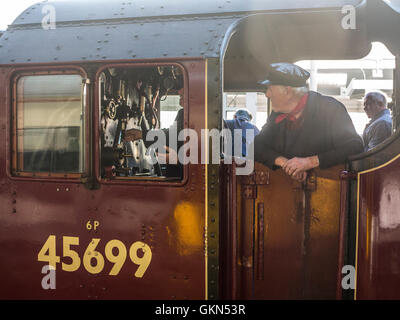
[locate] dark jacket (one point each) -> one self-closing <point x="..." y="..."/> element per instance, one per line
<point x="327" y="131"/>
<point x="377" y="130"/>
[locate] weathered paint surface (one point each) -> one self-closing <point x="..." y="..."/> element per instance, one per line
<point x="378" y="237"/>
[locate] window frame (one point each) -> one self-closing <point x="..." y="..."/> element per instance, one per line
<point x="13" y="173"/>
<point x="141" y="180"/>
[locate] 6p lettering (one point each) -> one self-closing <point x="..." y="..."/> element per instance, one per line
<point x="92" y="225"/>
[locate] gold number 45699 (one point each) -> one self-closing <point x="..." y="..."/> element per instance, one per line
<point x="48" y="254"/>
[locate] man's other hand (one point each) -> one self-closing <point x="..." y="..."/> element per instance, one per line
<point x="296" y="166"/>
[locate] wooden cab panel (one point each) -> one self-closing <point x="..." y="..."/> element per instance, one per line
<point x="288" y="235"/>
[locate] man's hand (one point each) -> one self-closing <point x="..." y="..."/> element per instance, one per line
<point x="280" y="161"/>
<point x="296" y="166"/>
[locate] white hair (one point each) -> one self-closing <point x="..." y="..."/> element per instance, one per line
<point x="300" y="90"/>
<point x="377" y="97"/>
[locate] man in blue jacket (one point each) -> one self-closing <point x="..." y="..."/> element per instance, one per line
<point x="241" y="121"/>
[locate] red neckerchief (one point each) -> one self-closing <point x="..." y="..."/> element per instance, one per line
<point x="291" y="115"/>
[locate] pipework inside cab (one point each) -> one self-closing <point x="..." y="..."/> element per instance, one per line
<point x="133" y="102"/>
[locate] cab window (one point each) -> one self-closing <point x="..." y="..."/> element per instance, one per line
<point x="49" y="125"/>
<point x="134" y="102"/>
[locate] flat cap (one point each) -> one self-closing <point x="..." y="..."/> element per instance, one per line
<point x="285" y="74"/>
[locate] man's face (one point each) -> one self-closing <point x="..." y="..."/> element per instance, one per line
<point x="279" y="97"/>
<point x="371" y="108"/>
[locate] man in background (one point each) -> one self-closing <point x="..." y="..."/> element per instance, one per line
<point x="380" y="126"/>
<point x="241" y="121"/>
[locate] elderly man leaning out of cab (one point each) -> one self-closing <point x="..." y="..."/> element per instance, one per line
<point x="306" y="129"/>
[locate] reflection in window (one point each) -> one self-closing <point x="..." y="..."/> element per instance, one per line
<point x="49" y="125"/>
